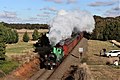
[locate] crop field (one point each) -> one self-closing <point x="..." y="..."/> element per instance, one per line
<point x="97" y="63"/>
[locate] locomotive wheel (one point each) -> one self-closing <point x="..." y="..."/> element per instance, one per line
<point x="51" y="67"/>
<point x="41" y="65"/>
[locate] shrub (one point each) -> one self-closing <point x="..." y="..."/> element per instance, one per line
<point x="35" y="35"/>
<point x="84" y="59"/>
<point x="16" y="36"/>
<point x="26" y="37"/>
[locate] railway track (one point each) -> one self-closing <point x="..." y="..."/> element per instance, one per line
<point x="45" y="75"/>
<point x="71" y="59"/>
<point x="42" y="74"/>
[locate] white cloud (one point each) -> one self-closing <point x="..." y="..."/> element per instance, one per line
<point x="43" y="15"/>
<point x="103" y="3"/>
<point x="71" y="1"/>
<point x="116" y="8"/>
<point x="113" y="12"/>
<point x="62" y="1"/>
<point x="7" y="14"/>
<point x="35" y="20"/>
<point x="55" y="1"/>
<point x="53" y="9"/>
<point x="28" y="9"/>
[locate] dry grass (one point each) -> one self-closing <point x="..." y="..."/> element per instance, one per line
<point x="18" y="48"/>
<point x="22" y="31"/>
<point x="94" y="48"/>
<point x="97" y="64"/>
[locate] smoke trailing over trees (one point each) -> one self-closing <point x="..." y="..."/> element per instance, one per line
<point x="67" y="22"/>
<point x="105" y="28"/>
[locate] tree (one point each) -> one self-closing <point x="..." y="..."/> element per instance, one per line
<point x="106" y="28"/>
<point x="2" y="43"/>
<point x="16" y="36"/>
<point x="35" y="35"/>
<point x="11" y="36"/>
<point x="26" y="37"/>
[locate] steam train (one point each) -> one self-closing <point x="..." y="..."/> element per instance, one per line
<point x="52" y="56"/>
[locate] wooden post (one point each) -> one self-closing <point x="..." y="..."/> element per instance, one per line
<point x="80" y="52"/>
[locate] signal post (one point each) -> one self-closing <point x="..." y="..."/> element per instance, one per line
<point x="80" y="52"/>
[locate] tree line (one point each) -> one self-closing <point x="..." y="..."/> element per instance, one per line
<point x="105" y="29"/>
<point x="25" y="26"/>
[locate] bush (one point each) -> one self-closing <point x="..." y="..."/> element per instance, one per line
<point x="26" y="37"/>
<point x="35" y="35"/>
<point x="84" y="59"/>
<point x="10" y="36"/>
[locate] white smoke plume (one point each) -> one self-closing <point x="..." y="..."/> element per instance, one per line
<point x="64" y="23"/>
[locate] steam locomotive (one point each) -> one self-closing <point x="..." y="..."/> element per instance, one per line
<point x="52" y="56"/>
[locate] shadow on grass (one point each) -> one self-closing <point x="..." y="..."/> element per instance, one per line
<point x="99" y="55"/>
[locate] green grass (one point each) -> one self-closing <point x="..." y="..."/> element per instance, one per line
<point x="8" y="66"/>
<point x="14" y="49"/>
<point x="18" y="48"/>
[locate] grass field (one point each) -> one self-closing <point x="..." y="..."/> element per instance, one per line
<point x="17" y="49"/>
<point x="22" y="47"/>
<point x="8" y="66"/>
<point x="97" y="63"/>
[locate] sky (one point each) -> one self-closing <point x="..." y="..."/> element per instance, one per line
<point x="42" y="11"/>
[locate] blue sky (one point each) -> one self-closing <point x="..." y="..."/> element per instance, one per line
<point x="42" y="11"/>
